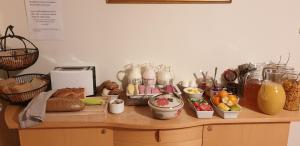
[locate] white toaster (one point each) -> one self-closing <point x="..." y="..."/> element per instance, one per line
<point x="74" y="77"/>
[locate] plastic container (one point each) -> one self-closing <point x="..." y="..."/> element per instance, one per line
<point x="226" y="114"/>
<point x="202" y="114"/>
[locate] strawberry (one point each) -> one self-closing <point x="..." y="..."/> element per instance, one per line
<point x="196" y="104"/>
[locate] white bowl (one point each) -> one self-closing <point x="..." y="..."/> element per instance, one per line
<point x="165" y="113"/>
<point x="172" y="110"/>
<point x="116" y="108"/>
<point x="185" y="90"/>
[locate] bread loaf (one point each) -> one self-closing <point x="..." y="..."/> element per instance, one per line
<point x="77" y="93"/>
<point x="64" y="105"/>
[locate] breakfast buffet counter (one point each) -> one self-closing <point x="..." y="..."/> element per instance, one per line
<point x="140" y="117"/>
<point x="136" y="126"/>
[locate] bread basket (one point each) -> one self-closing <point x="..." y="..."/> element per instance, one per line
<point x="24" y="97"/>
<point x="17" y="58"/>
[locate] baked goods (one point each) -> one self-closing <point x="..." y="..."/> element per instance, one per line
<point x="108" y="88"/>
<point x="115" y="92"/>
<point x="77" y="93"/>
<point x="64" y="105"/>
<point x="11" y="85"/>
<point x="6" y="84"/>
<point x="19" y="88"/>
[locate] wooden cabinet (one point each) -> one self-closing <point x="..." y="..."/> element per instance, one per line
<point x="66" y="137"/>
<point x="175" y="137"/>
<point x="267" y="134"/>
<point x="8" y="137"/>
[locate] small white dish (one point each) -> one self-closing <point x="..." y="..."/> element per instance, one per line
<point x="116" y="106"/>
<point x="193" y="95"/>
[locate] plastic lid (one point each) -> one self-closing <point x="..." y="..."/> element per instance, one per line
<point x="165" y="101"/>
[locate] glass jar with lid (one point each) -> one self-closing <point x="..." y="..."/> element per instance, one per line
<point x="252" y="84"/>
<point x="291" y="85"/>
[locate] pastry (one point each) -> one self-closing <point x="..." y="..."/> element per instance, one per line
<point x="19" y="88"/>
<point x="5" y="84"/>
<point x="64" y="105"/>
<point x="111" y="85"/>
<point x="115" y="92"/>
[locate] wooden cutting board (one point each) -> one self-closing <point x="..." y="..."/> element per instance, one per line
<point x="91" y="113"/>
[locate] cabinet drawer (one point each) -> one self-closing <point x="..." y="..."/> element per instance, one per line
<point x="66" y="137"/>
<point x="272" y="134"/>
<point x="180" y="135"/>
<point x="135" y="136"/>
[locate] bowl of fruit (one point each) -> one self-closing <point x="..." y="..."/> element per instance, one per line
<point x="226" y="104"/>
<point x="202" y="108"/>
<point x="193" y="92"/>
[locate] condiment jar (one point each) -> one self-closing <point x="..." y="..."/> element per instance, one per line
<point x="271" y="97"/>
<point x="291" y="86"/>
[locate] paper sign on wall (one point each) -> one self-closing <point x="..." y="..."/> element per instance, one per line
<point x="44" y="19"/>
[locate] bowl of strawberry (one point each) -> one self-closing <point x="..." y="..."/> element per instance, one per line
<point x="202" y="108"/>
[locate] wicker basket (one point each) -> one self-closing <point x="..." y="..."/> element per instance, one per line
<point x="14" y="60"/>
<point x="25" y="97"/>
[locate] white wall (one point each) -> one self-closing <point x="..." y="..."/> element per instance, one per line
<point x="189" y="37"/>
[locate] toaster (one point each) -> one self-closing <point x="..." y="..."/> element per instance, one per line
<point x="74" y="77"/>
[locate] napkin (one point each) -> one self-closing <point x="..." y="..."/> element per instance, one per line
<point x="35" y="112"/>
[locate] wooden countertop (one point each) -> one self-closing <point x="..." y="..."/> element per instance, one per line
<point x="140" y="117"/>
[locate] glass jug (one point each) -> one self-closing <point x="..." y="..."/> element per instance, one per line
<point x="271" y="97"/>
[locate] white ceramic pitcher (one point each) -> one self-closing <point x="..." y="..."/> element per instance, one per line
<point x="164" y="75"/>
<point x="131" y="74"/>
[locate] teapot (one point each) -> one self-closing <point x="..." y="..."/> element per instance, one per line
<point x="164" y="75"/>
<point x="131" y="75"/>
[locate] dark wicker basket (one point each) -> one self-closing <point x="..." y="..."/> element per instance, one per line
<point x="14" y="61"/>
<point x="24" y="97"/>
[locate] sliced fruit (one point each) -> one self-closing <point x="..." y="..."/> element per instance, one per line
<point x="223" y="106"/>
<point x="223" y="93"/>
<point x="225" y="99"/>
<point x="235" y="108"/>
<point x="230" y="103"/>
<point x="216" y="100"/>
<point x="233" y="99"/>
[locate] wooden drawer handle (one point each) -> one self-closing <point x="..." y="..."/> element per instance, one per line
<point x="103" y="131"/>
<point x="209" y="128"/>
<point x="157" y="136"/>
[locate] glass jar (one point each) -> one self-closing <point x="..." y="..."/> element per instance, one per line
<point x="271" y="97"/>
<point x="252" y="84"/>
<point x="291" y="86"/>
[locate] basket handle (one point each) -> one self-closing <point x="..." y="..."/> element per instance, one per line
<point x="12" y="35"/>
